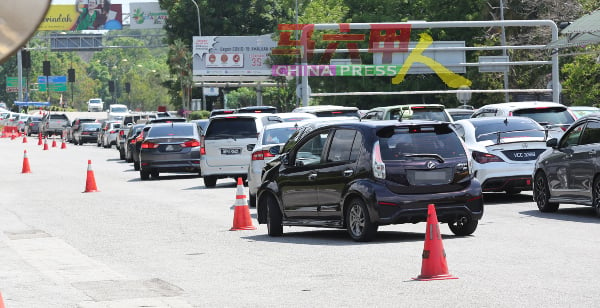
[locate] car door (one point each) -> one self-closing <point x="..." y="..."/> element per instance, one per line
<point x="558" y="163"/>
<point x="297" y="181"/>
<point x="582" y="164"/>
<point x="337" y="171"/>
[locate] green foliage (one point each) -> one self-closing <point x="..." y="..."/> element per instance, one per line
<point x="199" y="114"/>
<point x="581" y="81"/>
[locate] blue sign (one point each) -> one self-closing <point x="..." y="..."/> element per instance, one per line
<point x="55" y="83"/>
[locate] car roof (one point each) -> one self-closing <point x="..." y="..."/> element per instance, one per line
<point x="484" y="120"/>
<point x="523" y="105"/>
<point x="409" y="106"/>
<point x="244" y="115"/>
<point x="323" y="108"/>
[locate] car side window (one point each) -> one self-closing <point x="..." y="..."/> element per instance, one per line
<point x="572" y="137"/>
<point x="341" y="145"/>
<point x="460" y="131"/>
<point x="591" y="133"/>
<point x="311" y="151"/>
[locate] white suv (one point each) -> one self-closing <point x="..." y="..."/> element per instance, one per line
<point x="553" y="116"/>
<point x="227" y="144"/>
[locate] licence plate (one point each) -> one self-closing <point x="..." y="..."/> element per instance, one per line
<point x="430" y="175"/>
<point x="172" y="148"/>
<point x="231" y="151"/>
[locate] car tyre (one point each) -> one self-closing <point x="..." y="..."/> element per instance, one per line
<point x="274" y="218"/>
<point x="463" y="226"/>
<point x="136" y="165"/>
<point x="121" y="154"/>
<point x="596" y="196"/>
<point x="144" y="175"/>
<point x="154" y="174"/>
<point x="358" y="222"/>
<point x="541" y="194"/>
<point x="210" y="181"/>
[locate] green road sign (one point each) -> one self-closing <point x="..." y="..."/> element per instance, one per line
<point x="55" y="83"/>
<point x="12" y="84"/>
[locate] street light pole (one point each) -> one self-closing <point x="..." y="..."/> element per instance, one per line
<point x="199" y="34"/>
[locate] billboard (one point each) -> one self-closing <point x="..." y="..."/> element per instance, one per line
<point x="83" y="15"/>
<point x="232" y="55"/>
<point x="147" y="15"/>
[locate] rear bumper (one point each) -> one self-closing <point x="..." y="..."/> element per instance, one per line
<point x="171" y="166"/>
<point x="523" y="182"/>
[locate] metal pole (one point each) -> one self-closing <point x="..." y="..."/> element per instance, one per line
<point x="199" y="34"/>
<point x="504" y="53"/>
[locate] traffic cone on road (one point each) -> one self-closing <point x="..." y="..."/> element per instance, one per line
<point x="434" y="266"/>
<point x="53" y="142"/>
<point x="26" y="168"/>
<point x="241" y="215"/>
<point x="45" y="144"/>
<point x="64" y="144"/>
<point x="1" y="301"/>
<point x="39" y="139"/>
<point x="24" y="138"/>
<point x="90" y="181"/>
<point x="13" y="135"/>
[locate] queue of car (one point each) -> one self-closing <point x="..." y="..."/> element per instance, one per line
<point x="322" y="166"/>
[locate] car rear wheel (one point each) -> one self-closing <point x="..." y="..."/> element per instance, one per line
<point x="274" y="218"/>
<point x="358" y="222"/>
<point x="252" y="200"/>
<point x="210" y="181"/>
<point x="121" y="153"/>
<point x="136" y="165"/>
<point x="463" y="226"/>
<point x="541" y="194"/>
<point x="144" y="175"/>
<point x="596" y="196"/>
<point x="154" y="174"/>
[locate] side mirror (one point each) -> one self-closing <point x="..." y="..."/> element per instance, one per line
<point x="274" y="150"/>
<point x="552" y="143"/>
<point x="285" y="159"/>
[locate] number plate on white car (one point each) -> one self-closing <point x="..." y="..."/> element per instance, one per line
<point x="231" y="151"/>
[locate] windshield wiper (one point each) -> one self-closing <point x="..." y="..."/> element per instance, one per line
<point x="426" y="155"/>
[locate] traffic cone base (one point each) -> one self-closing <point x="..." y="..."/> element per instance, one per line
<point x="90" y="181"/>
<point x="434" y="266"/>
<point x="241" y="214"/>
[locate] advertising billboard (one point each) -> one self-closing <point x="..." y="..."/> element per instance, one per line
<point x="83" y="15"/>
<point x="147" y="15"/>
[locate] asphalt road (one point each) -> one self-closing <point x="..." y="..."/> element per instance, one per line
<point x="166" y="243"/>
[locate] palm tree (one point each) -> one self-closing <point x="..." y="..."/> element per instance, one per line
<point x="180" y="63"/>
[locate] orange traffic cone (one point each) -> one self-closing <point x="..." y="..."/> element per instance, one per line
<point x="13" y="136"/>
<point x="63" y="145"/>
<point x="241" y="214"/>
<point x="1" y="301"/>
<point x="53" y="142"/>
<point x="90" y="181"/>
<point x="39" y="139"/>
<point x="24" y="138"/>
<point x="434" y="265"/>
<point x="45" y="144"/>
<point x="26" y="168"/>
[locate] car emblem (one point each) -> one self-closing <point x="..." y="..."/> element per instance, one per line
<point x="524" y="145"/>
<point x="431" y="164"/>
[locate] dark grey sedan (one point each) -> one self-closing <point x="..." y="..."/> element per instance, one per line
<point x="170" y="147"/>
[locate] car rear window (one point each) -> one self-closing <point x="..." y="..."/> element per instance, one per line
<point x="415" y="142"/>
<point x="90" y="126"/>
<point x="424" y="113"/>
<point x="171" y="130"/>
<point x="514" y="129"/>
<point x="546" y="115"/>
<point x="278" y="135"/>
<point x="338" y="113"/>
<point x="233" y="127"/>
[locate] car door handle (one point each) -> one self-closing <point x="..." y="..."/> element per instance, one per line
<point x="348" y="172"/>
<point x="312" y="176"/>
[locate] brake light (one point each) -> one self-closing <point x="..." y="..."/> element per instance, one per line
<point x="377" y="162"/>
<point x="149" y="145"/>
<point x="484" y="158"/>
<point x="121" y="133"/>
<point x="190" y="144"/>
<point x="202" y="149"/>
<point x="336" y="112"/>
<point x="261" y="155"/>
<point x="417" y="107"/>
<point x="112" y="132"/>
<point x="132" y="141"/>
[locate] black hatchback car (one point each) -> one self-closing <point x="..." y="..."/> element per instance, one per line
<point x="570" y="171"/>
<point x="359" y="175"/>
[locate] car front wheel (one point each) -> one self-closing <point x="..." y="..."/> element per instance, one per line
<point x="274" y="218"/>
<point x="358" y="222"/>
<point x="210" y="181"/>
<point x="541" y="194"/>
<point x="596" y="196"/>
<point x="463" y="226"/>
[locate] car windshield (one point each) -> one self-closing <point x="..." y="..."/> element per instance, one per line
<point x="118" y="109"/>
<point x="171" y="130"/>
<point x="422" y="113"/>
<point x="418" y="142"/>
<point x="507" y="129"/>
<point x="461" y="116"/>
<point x="234" y="127"/>
<point x="549" y="115"/>
<point x="95" y="101"/>
<point x="278" y="135"/>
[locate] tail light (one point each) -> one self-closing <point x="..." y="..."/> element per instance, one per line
<point x="140" y="137"/>
<point x="377" y="162"/>
<point x="132" y="141"/>
<point x="484" y="158"/>
<point x="121" y="133"/>
<point x="261" y="155"/>
<point x="190" y="144"/>
<point x="202" y="147"/>
<point x="112" y="132"/>
<point x="149" y="145"/>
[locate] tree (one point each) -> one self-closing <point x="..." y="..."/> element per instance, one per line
<point x="180" y="62"/>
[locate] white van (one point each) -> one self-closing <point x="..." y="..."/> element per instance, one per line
<point x="117" y="112"/>
<point x="95" y="104"/>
